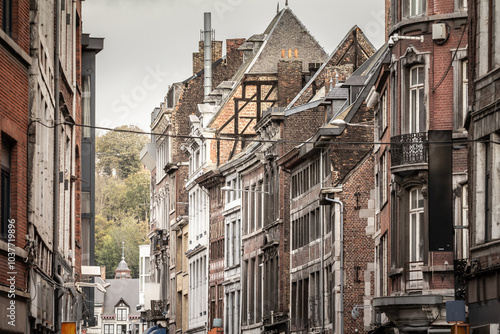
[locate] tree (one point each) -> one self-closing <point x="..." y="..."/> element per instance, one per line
<point x="118" y="151"/>
<point x="109" y="244"/>
<point x="122" y="199"/>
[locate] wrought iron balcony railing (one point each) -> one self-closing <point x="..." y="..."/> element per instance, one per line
<point x="409" y="149"/>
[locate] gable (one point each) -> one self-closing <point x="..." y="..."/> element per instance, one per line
<point x="288" y="38"/>
<point x="122" y="303"/>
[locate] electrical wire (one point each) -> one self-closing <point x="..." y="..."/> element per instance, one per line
<point x="451" y="61"/>
<point x="280" y="141"/>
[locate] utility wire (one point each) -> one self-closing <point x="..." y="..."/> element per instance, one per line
<point x="280" y="141"/>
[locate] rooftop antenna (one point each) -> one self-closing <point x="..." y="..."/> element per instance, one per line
<point x="278" y="9"/>
<point x="123" y="250"/>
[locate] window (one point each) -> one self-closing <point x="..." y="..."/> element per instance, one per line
<point x="109" y="329"/>
<point x="86" y="106"/>
<point x="487" y="55"/>
<point x="121" y="314"/>
<point x="163" y="156"/>
<point x="487" y="190"/>
<point x="382" y="114"/>
<point x="7" y="17"/>
<point x="121" y="329"/>
<point x="5" y="163"/>
<point x="416" y="108"/>
<point x="414" y="7"/>
<point x="462" y="230"/>
<point x="465" y="89"/>
<point x="382" y="181"/>
<point x="416" y="225"/>
<point x="463" y="4"/>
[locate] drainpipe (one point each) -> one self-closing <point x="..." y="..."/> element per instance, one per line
<point x="55" y="237"/>
<point x="207" y="44"/>
<point x="341" y="260"/>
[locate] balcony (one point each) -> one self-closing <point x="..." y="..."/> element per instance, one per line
<point x="409" y="150"/>
<point x="157" y="312"/>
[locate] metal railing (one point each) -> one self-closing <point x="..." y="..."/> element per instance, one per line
<point x="409" y="149"/>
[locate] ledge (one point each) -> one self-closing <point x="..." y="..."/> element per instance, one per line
<point x="9" y="42"/>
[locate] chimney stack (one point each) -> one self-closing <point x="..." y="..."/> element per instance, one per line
<point x="207" y="41"/>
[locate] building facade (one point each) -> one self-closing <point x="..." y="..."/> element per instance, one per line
<point x="90" y="47"/>
<point x="483" y="122"/>
<point x="15" y="64"/>
<point x="422" y="177"/>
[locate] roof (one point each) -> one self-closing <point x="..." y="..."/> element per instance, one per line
<point x="284" y="32"/>
<point x="337" y="51"/>
<point x="122" y="266"/>
<point x="126" y="289"/>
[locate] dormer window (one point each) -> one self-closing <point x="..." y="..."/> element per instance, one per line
<point x="121" y="314"/>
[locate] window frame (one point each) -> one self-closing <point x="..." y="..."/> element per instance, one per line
<point x="416" y="242"/>
<point x="414" y="114"/>
<point x="7" y="13"/>
<point x="109" y="328"/>
<point x="414" y="8"/>
<point x="120" y="312"/>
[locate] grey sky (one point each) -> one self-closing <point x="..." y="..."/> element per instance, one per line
<point x="149" y="43"/>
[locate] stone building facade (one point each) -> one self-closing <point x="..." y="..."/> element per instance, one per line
<point x="483" y="123"/>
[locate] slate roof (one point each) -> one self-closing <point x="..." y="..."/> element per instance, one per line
<point x="128" y="289"/>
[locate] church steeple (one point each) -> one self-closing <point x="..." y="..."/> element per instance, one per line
<point x="122" y="271"/>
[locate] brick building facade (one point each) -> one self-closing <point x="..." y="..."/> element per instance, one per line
<point x="15" y="62"/>
<point x="41" y="151"/>
<point x="422" y="174"/>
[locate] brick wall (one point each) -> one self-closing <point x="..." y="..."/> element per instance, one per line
<point x="289" y="80"/>
<point x="14" y="127"/>
<point x="199" y="57"/>
<point x="358" y="246"/>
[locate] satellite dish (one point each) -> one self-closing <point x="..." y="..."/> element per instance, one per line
<point x="355" y="313"/>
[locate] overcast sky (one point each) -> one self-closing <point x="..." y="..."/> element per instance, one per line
<point x="148" y="44"/>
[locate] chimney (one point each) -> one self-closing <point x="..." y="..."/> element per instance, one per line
<point x="207" y="42"/>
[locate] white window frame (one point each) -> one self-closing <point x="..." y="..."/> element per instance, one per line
<point x="109" y="328"/>
<point x="416" y="225"/>
<point x="415" y="102"/>
<point x="119" y="314"/>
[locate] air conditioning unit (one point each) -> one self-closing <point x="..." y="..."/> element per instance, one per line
<point x="486" y="329"/>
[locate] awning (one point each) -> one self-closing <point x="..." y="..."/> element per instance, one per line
<point x="156" y="330"/>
